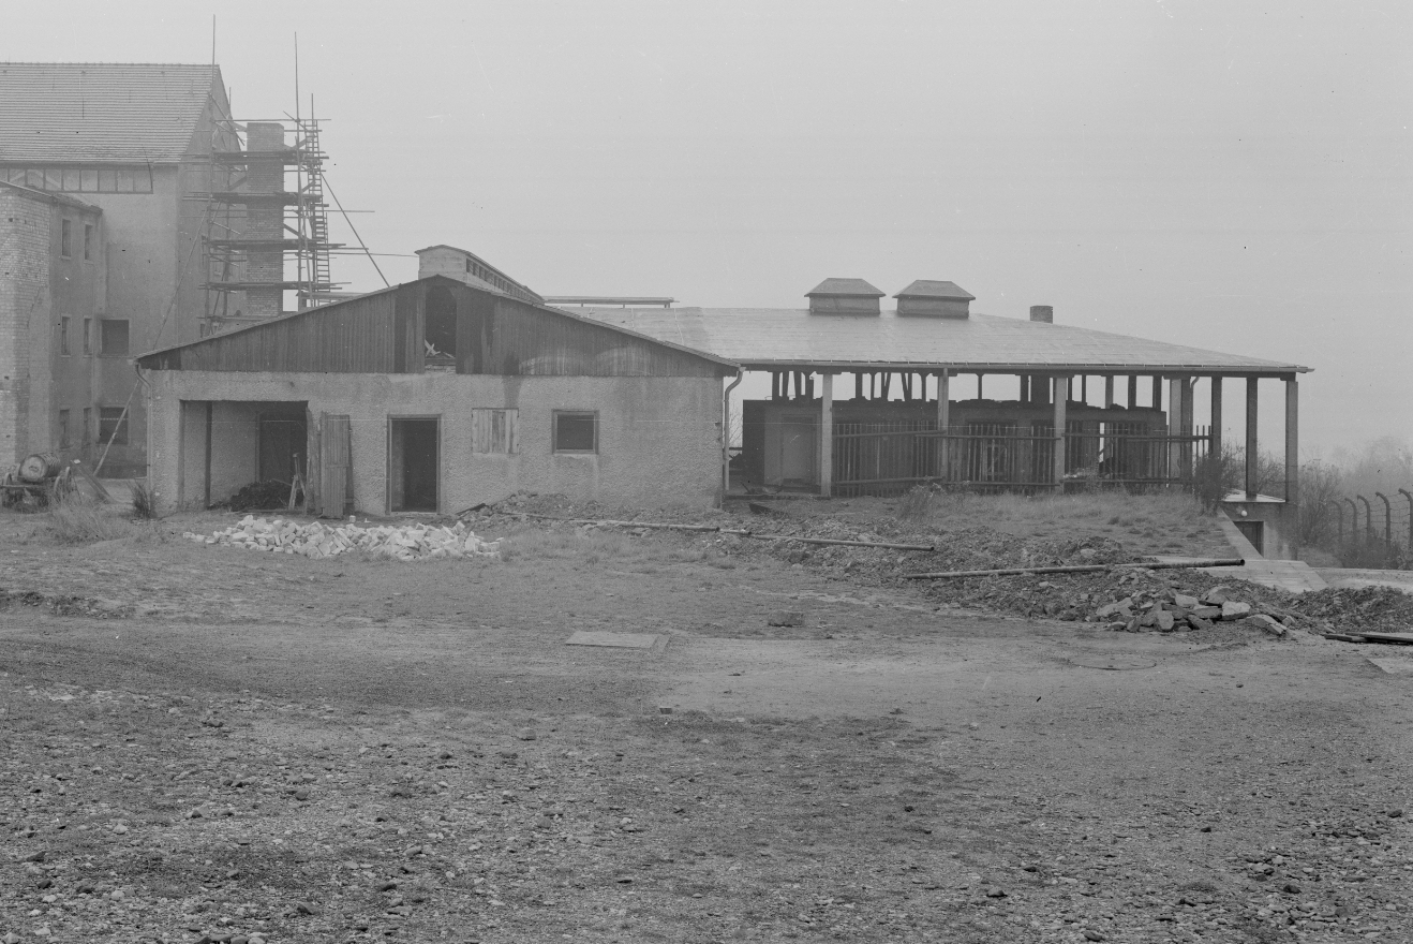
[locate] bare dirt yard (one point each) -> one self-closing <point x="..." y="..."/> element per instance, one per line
<point x="203" y="742"/>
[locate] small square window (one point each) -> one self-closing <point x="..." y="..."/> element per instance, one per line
<point x="115" y="337"/>
<point x="113" y="425"/>
<point x="63" y="334"/>
<point x="65" y="238"/>
<point x="576" y="431"/>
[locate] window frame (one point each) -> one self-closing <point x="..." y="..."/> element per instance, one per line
<point x="88" y="337"/>
<point x="88" y="242"/>
<point x="120" y="420"/>
<point x="66" y="238"/>
<point x="557" y="415"/>
<point x="64" y="335"/>
<point x="103" y="338"/>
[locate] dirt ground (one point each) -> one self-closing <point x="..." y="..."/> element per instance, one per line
<point x="208" y="742"/>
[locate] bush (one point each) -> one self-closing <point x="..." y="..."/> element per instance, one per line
<point x="80" y="522"/>
<point x="144" y="504"/>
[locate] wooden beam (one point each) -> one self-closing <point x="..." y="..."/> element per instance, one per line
<point x="1216" y="417"/>
<point x="1108" y="391"/>
<point x="944" y="422"/>
<point x="1060" y="396"/>
<point x="1251" y="440"/>
<point x="1132" y="391"/>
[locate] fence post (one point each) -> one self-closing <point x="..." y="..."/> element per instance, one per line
<point x="1388" y="521"/>
<point x="1409" y="495"/>
<point x="826" y="436"/>
<point x="1353" y="522"/>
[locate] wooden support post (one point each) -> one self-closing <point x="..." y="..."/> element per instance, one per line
<point x="1132" y="391"/>
<point x="944" y="423"/>
<point x="858" y="385"/>
<point x="1084" y="388"/>
<point x="1025" y="388"/>
<point x="1175" y="390"/>
<point x="1216" y="420"/>
<point x="1292" y="465"/>
<point x="1157" y="391"/>
<point x="1108" y="391"/>
<point x="1252" y="453"/>
<point x="826" y="435"/>
<point x="1060" y="396"/>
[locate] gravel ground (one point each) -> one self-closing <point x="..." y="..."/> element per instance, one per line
<point x="292" y="750"/>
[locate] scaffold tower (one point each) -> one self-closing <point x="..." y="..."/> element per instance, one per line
<point x="259" y="230"/>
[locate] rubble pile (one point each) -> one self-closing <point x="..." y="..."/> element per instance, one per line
<point x="405" y="542"/>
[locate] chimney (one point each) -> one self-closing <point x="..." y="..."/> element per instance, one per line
<point x="931" y="298"/>
<point x="1045" y="313"/>
<point x="265" y="220"/>
<point x="844" y="297"/>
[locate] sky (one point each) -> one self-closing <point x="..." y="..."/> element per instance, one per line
<point x="1226" y="174"/>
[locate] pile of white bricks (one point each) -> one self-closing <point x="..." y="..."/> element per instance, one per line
<point x="404" y="542"/>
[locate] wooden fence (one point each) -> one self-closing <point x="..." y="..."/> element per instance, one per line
<point x="889" y="458"/>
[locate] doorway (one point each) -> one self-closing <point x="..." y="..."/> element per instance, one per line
<point x="283" y="436"/>
<point x="413" y="463"/>
<point x="799" y="450"/>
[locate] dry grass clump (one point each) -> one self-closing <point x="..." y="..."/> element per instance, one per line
<point x="78" y="521"/>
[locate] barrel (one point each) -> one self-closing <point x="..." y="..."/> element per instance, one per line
<point x="38" y="467"/>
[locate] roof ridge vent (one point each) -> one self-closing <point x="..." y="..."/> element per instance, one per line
<point x="844" y="297"/>
<point x="933" y="298"/>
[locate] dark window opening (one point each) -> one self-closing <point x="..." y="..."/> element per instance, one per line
<point x="88" y="335"/>
<point x="113" y="425"/>
<point x="413" y="464"/>
<point x="575" y="431"/>
<point x="115" y="337"/>
<point x="65" y="238"/>
<point x="283" y="438"/>
<point x="87" y="241"/>
<point x="64" y="334"/>
<point x="440" y="315"/>
<point x="87" y="432"/>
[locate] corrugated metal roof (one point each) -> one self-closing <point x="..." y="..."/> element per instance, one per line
<point x="770" y="337"/>
<point x="845" y="287"/>
<point x="100" y="112"/>
<point x="928" y="288"/>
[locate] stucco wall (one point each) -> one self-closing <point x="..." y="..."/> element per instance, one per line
<point x="659" y="437"/>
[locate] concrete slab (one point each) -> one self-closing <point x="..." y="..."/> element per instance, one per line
<point x="1395" y="666"/>
<point x="614" y="640"/>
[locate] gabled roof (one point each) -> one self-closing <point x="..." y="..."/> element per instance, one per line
<point x="927" y="288"/>
<point x="772" y="338"/>
<point x="857" y="287"/>
<point x="100" y="112"/>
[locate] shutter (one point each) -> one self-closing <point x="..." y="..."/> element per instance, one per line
<point x="336" y="466"/>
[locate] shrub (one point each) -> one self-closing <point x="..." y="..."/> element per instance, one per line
<point x="80" y="522"/>
<point x="144" y="504"/>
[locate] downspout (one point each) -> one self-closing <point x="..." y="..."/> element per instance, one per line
<point x="726" y="436"/>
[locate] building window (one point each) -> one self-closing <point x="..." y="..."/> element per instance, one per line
<point x="63" y="429"/>
<point x="63" y="334"/>
<point x="115" y="337"/>
<point x="81" y="179"/>
<point x="88" y="242"/>
<point x="113" y="425"/>
<point x="65" y="237"/>
<point x="493" y="431"/>
<point x="576" y="431"/>
<point x="86" y="433"/>
<point x="88" y="335"/>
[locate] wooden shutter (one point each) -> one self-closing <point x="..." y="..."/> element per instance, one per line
<point x="336" y="466"/>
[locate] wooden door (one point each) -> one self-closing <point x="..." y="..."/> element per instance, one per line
<point x="335" y="465"/>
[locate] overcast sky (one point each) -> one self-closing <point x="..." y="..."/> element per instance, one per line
<point x="1228" y="174"/>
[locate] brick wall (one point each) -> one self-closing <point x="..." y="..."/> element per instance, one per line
<point x="265" y="222"/>
<point x="25" y="304"/>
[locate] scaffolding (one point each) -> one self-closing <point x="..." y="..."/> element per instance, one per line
<point x="257" y="230"/>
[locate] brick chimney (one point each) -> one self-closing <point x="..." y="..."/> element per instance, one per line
<point x="844" y="297"/>
<point x="1045" y="313"/>
<point x="929" y="298"/>
<point x="265" y="221"/>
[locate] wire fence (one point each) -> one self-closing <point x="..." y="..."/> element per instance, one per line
<point x="1368" y="530"/>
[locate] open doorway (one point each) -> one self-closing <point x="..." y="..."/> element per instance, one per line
<point x="283" y="437"/>
<point x="413" y="463"/>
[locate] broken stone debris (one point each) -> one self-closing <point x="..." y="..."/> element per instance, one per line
<point x="318" y="540"/>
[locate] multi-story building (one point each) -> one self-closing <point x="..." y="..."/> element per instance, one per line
<point x="127" y="154"/>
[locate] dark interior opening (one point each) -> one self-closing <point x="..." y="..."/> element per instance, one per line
<point x="413" y="464"/>
<point x="284" y="436"/>
<point x="440" y="315"/>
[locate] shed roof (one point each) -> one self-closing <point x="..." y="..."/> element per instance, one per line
<point x="929" y="288"/>
<point x="62" y="199"/>
<point x="845" y="287"/>
<point x="102" y="112"/>
<point x="766" y="338"/>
